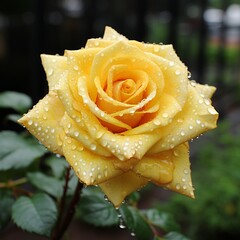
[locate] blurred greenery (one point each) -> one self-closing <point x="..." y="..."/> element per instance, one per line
<point x="215" y="213"/>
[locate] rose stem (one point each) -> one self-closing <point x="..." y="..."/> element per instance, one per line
<point x="62" y="202"/>
<point x="70" y="212"/>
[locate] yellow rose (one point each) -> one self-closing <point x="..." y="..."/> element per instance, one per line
<point x="122" y="112"/>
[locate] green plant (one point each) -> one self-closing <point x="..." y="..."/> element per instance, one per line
<point x="215" y="213"/>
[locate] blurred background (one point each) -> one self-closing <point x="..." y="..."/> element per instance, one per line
<point x="206" y="36"/>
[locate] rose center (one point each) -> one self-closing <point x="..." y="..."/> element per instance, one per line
<point x="128" y="86"/>
<point x="123" y="89"/>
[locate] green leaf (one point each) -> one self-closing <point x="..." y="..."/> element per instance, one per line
<point x="50" y="185"/>
<point x="15" y="100"/>
<point x="13" y="117"/>
<point x="57" y="164"/>
<point x="161" y="219"/>
<point x="94" y="209"/>
<point x="6" y="201"/>
<point x="37" y="214"/>
<point x="17" y="151"/>
<point x="175" y="236"/>
<point x="135" y="222"/>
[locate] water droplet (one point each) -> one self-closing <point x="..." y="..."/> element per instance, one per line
<point x="75" y="67"/>
<point x="50" y="71"/>
<point x="165" y="115"/>
<point x="177" y="72"/>
<point x="175" y="153"/>
<point x="182" y="133"/>
<point x="121" y="223"/>
<point x="156" y="48"/>
<point x="30" y="122"/>
<point x="178" y="186"/>
<point x="185" y="171"/>
<point x="193" y="83"/>
<point x="157" y="121"/>
<point x="198" y="121"/>
<point x="211" y="110"/>
<point x="171" y="63"/>
<point x="207" y="101"/>
<point x="96" y="43"/>
<point x="189" y="75"/>
<point x="76" y="134"/>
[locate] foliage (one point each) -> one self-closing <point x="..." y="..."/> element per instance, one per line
<point x="39" y="192"/>
<point x="215" y="213"/>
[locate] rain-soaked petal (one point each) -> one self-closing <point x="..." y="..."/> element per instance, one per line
<point x="181" y="181"/>
<point x="116" y="189"/>
<point x="43" y="121"/>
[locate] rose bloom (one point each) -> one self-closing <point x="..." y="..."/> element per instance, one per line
<point x="122" y="112"/>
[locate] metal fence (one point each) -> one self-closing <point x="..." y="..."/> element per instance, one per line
<point x="206" y="37"/>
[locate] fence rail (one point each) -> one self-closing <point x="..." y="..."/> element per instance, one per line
<point x="34" y="27"/>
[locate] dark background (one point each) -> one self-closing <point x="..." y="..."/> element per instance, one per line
<point x="205" y="34"/>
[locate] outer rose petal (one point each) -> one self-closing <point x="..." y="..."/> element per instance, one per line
<point x="43" y="121"/>
<point x="196" y="117"/>
<point x="111" y="34"/>
<point x="157" y="168"/>
<point x="181" y="182"/>
<point x="91" y="168"/>
<point x="79" y="134"/>
<point x="119" y="187"/>
<point x="54" y="67"/>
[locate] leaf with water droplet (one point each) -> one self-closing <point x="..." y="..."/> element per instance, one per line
<point x="94" y="209"/>
<point x="135" y="222"/>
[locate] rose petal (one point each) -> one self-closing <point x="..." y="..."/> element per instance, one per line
<point x="150" y="123"/>
<point x="205" y="91"/>
<point x="181" y="182"/>
<point x="43" y="121"/>
<point x="116" y="189"/>
<point x="165" y="51"/>
<point x="111" y="34"/>
<point x="90" y="168"/>
<point x="79" y="134"/>
<point x="196" y="117"/>
<point x="54" y="66"/>
<point x="175" y="78"/>
<point x="158" y="167"/>
<point x="80" y="64"/>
